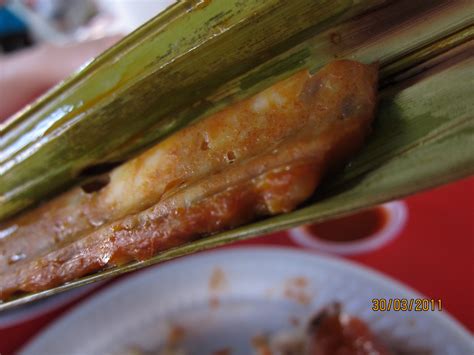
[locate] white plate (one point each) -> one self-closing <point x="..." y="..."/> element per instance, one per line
<point x="24" y="313"/>
<point x="224" y="298"/>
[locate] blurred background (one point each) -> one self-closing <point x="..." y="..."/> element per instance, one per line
<point x="44" y="41"/>
<point x="24" y="23"/>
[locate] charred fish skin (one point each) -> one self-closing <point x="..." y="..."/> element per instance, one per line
<point x="283" y="141"/>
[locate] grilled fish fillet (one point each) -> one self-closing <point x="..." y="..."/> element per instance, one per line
<point x="262" y="156"/>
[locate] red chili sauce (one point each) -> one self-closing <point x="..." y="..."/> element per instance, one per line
<point x="353" y="227"/>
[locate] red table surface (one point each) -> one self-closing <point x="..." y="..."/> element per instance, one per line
<point x="433" y="254"/>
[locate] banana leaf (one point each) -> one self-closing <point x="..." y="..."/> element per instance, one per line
<point x="141" y="84"/>
<point x="421" y="136"/>
<point x="192" y="60"/>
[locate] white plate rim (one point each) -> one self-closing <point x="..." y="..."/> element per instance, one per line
<point x="331" y="260"/>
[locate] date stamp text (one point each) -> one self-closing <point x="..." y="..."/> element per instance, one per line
<point x="406" y="305"/>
